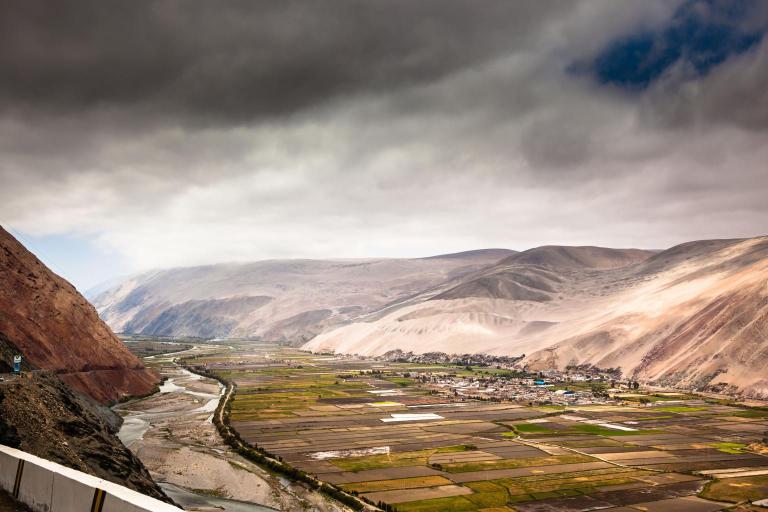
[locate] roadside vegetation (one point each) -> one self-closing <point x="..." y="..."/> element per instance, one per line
<point x="222" y="418"/>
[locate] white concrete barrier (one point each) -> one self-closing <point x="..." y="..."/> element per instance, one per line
<point x="45" y="486"/>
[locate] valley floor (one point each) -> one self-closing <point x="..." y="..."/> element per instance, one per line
<point x="172" y="434"/>
<point x="390" y="433"/>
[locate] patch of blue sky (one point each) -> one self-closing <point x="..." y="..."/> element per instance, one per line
<point x="78" y="259"/>
<point x="702" y="34"/>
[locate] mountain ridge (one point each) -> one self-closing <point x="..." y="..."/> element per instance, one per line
<point x="567" y="257"/>
<point x="74" y="366"/>
<point x="276" y="299"/>
<point x="54" y="328"/>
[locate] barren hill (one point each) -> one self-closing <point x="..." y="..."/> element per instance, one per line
<point x="695" y="315"/>
<point x="576" y="258"/>
<point x="537" y="274"/>
<point x="44" y="318"/>
<point x="276" y="299"/>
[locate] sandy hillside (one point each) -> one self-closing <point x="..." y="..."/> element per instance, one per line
<point x="693" y="315"/>
<point x="277" y="299"/>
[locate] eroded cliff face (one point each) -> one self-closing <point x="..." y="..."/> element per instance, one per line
<point x="44" y="318"/>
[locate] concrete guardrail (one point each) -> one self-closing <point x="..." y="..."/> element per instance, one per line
<point x="45" y="486"/>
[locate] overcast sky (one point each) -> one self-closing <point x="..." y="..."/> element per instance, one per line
<point x="147" y="134"/>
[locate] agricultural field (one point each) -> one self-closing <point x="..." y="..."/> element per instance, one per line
<point x="143" y="346"/>
<point x="382" y="431"/>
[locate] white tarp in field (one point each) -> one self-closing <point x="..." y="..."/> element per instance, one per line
<point x="617" y="427"/>
<point x="343" y="454"/>
<point x="412" y="417"/>
<point x="386" y="392"/>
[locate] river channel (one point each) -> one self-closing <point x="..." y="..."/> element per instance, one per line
<point x="172" y="433"/>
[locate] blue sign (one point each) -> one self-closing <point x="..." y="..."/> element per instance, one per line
<point x="17" y="364"/>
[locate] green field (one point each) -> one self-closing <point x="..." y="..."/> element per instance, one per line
<point x="326" y="415"/>
<point x="515" y="463"/>
<point x="737" y="490"/>
<point x="538" y="428"/>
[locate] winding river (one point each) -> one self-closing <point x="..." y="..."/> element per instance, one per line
<point x="138" y="421"/>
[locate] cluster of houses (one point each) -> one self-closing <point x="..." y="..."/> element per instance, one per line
<point x="551" y="387"/>
<point x="534" y="391"/>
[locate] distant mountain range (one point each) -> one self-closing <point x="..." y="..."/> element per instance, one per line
<point x="695" y="315"/>
<point x="285" y="300"/>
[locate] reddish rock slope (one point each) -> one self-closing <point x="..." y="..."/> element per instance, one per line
<point x="55" y="328"/>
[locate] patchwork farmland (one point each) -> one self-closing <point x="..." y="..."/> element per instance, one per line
<point x="379" y="430"/>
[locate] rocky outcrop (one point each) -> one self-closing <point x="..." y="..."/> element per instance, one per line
<point x="44" y="318"/>
<point x="42" y="416"/>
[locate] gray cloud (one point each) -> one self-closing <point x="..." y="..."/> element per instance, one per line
<point x="735" y="94"/>
<point x="236" y="61"/>
<point x="243" y="130"/>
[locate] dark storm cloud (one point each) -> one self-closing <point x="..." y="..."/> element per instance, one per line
<point x="240" y="60"/>
<point x="372" y="128"/>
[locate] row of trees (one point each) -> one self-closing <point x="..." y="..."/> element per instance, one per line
<point x="260" y="456"/>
